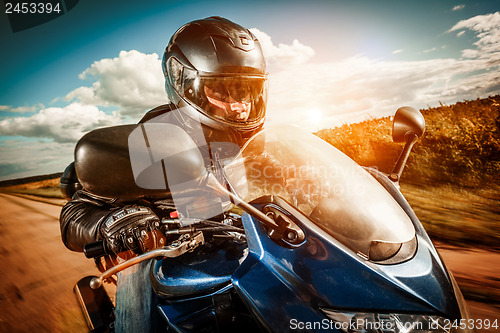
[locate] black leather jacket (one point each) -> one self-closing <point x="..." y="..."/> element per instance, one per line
<point x="81" y="219"/>
<point x="82" y="216"/>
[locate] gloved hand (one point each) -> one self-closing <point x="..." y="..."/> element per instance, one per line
<point x="134" y="228"/>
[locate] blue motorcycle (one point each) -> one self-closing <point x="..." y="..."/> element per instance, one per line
<point x="311" y="242"/>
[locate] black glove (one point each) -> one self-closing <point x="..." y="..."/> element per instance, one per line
<point x="134" y="228"/>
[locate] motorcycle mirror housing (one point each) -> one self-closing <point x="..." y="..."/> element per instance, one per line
<point x="407" y="120"/>
<point x="132" y="161"/>
<point x="408" y="126"/>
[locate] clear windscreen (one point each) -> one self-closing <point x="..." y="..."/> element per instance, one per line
<point x="335" y="193"/>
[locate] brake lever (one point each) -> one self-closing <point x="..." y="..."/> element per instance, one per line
<point x="175" y="249"/>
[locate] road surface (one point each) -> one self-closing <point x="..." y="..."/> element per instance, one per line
<point x="38" y="272"/>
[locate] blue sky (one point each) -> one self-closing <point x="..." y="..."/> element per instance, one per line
<point x="329" y="62"/>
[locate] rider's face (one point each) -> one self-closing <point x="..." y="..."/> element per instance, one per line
<point x="230" y="102"/>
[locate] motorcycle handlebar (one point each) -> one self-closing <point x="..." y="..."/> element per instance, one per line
<point x="100" y="248"/>
<point x="95" y="249"/>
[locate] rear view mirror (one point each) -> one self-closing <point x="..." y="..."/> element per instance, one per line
<point x="407" y="120"/>
<point x="408" y="127"/>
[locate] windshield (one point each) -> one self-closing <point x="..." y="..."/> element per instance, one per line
<point x="332" y="190"/>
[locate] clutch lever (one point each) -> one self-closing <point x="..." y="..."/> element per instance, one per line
<point x="184" y="244"/>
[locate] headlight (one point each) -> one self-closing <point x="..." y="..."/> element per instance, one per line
<point x="393" y="323"/>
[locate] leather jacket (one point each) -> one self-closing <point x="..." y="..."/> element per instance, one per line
<point x="81" y="219"/>
<point x="82" y="216"/>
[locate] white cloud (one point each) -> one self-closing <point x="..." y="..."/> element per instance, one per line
<point x="345" y="91"/>
<point x="66" y="124"/>
<point x="458" y="7"/>
<point x="133" y="81"/>
<point x="359" y="87"/>
<point x="430" y="50"/>
<point x="57" y="129"/>
<point x="487" y="29"/>
<point x="283" y="55"/>
<point x="21" y="158"/>
<point x="479" y="23"/>
<point x="23" y="109"/>
<point x="20" y="109"/>
<point x="397" y="51"/>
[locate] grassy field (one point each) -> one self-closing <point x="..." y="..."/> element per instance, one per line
<point x="452" y="176"/>
<point x="48" y="188"/>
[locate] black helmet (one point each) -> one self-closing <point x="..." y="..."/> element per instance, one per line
<point x="216" y="73"/>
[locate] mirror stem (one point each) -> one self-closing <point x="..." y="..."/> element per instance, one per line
<point x="411" y="139"/>
<point x="215" y="185"/>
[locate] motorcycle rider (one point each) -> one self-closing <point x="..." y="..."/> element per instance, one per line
<point x="216" y="81"/>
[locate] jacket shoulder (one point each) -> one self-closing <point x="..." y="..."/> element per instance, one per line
<point x="157" y="111"/>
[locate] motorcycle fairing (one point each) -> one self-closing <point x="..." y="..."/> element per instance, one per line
<point x="219" y="311"/>
<point x="280" y="284"/>
<point x="200" y="272"/>
<point x="195" y="290"/>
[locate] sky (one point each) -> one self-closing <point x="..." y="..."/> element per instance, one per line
<point x="329" y="63"/>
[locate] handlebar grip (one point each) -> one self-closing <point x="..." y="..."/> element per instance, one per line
<point x="95" y="249"/>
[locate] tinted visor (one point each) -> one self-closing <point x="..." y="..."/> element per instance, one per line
<point x="240" y="98"/>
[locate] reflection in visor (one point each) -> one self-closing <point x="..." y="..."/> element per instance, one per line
<point x="228" y="106"/>
<point x="233" y="90"/>
<point x="233" y="99"/>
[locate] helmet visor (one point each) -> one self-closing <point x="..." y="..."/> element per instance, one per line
<point x="236" y="99"/>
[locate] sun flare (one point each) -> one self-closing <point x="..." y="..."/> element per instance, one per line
<point x="315" y="115"/>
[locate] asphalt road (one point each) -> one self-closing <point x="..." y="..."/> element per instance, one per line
<point x="38" y="272"/>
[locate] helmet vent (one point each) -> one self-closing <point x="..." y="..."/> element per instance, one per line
<point x="246" y="42"/>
